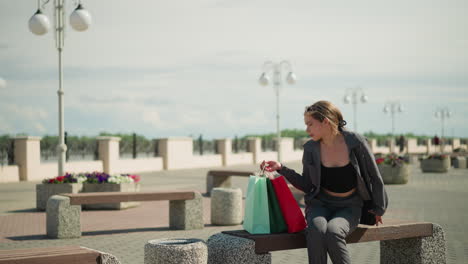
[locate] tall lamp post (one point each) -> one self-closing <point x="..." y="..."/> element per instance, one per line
<point x="442" y="113"/>
<point x="39" y="24"/>
<point x="275" y="69"/>
<point x="393" y="107"/>
<point x="354" y="96"/>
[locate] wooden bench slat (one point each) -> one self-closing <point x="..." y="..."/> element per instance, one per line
<point x="51" y="255"/>
<point x="230" y="173"/>
<point x="115" y="197"/>
<point x="36" y="253"/>
<point x="396" y="229"/>
<point x="391" y="232"/>
<point x="31" y="251"/>
<point x="71" y="258"/>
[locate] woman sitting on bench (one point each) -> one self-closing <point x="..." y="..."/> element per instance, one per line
<point x="339" y="172"/>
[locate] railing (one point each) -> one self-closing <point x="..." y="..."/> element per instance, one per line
<point x="78" y="149"/>
<point x="138" y="146"/>
<point x="299" y="142"/>
<point x="268" y="145"/>
<point x="204" y="147"/>
<point x="240" y="145"/>
<point x="7" y="146"/>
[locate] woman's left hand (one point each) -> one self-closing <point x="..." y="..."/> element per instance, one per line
<point x="378" y="219"/>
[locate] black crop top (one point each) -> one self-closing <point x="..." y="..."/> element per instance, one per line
<point x="338" y="179"/>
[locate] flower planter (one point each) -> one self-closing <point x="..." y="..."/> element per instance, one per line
<point x="435" y="165"/>
<point x="111" y="187"/>
<point x="394" y="174"/>
<point x="44" y="191"/>
<point x="459" y="162"/>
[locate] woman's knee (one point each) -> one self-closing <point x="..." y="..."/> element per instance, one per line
<point x="335" y="231"/>
<point x="318" y="226"/>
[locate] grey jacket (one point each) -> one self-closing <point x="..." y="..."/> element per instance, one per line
<point x="370" y="185"/>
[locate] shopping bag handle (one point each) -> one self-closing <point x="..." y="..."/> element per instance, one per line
<point x="263" y="172"/>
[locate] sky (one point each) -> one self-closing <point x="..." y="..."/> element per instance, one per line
<point x="184" y="68"/>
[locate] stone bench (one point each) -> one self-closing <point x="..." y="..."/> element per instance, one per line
<point x="222" y="178"/>
<point x="63" y="211"/>
<point x="64" y="254"/>
<point x="400" y="242"/>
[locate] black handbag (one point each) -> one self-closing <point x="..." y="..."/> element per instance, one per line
<point x="367" y="218"/>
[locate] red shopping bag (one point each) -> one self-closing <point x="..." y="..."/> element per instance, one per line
<point x="291" y="212"/>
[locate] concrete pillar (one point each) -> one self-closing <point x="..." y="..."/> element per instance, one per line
<point x="28" y="157"/>
<point x="109" y="152"/>
<point x="391" y="145"/>
<point x="255" y="146"/>
<point x="225" y="149"/>
<point x="429" y="146"/>
<point x="287" y="148"/>
<point x="411" y="145"/>
<point x="455" y="143"/>
<point x="177" y="152"/>
<point x="373" y="144"/>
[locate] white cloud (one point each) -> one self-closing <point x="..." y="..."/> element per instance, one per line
<point x="23" y="118"/>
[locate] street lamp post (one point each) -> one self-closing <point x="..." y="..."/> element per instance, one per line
<point x="264" y="80"/>
<point x="393" y="107"/>
<point x="39" y="24"/>
<point x="351" y="96"/>
<point x="442" y="113"/>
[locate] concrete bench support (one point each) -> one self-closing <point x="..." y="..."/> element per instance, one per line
<point x="227" y="249"/>
<point x="63" y="220"/>
<point x="420" y="250"/>
<point x="186" y="214"/>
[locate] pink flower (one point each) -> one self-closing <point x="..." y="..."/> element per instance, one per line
<point x="136" y="178"/>
<point x="379" y="160"/>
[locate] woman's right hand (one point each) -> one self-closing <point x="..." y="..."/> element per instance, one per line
<point x="270" y="165"/>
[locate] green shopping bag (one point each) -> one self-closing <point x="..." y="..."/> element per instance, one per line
<point x="256" y="214"/>
<point x="277" y="223"/>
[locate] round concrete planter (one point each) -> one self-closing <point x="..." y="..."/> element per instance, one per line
<point x="435" y="165"/>
<point x="226" y="206"/>
<point x="176" y="251"/>
<point x="44" y="191"/>
<point x="111" y="187"/>
<point x="394" y="174"/>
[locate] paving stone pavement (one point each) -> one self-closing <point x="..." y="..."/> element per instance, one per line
<point x="430" y="197"/>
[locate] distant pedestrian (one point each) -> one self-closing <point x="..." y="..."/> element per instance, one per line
<point x="401" y="143"/>
<point x="436" y="140"/>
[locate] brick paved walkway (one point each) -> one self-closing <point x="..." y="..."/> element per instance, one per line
<point x="431" y="197"/>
